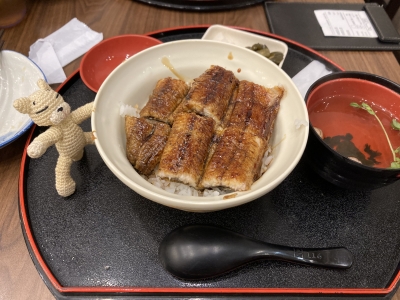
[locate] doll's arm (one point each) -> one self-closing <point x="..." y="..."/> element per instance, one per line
<point x="40" y="144"/>
<point x="82" y="113"/>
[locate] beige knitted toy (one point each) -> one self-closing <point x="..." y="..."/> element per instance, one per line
<point x="47" y="108"/>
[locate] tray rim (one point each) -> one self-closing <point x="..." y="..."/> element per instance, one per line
<point x="220" y="5"/>
<point x="56" y="288"/>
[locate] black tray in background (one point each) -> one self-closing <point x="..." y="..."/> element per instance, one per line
<point x="103" y="240"/>
<point x="201" y="5"/>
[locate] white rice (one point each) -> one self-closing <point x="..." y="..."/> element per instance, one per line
<point x="266" y="160"/>
<point x="181" y="188"/>
<point x="128" y="110"/>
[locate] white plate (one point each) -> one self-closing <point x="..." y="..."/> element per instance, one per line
<point x="18" y="78"/>
<point x="133" y="81"/>
<point x="244" y="39"/>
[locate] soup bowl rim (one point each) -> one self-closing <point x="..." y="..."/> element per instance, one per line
<point x="368" y="77"/>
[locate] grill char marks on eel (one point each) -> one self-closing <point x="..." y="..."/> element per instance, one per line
<point x="187" y="148"/>
<point x="236" y="158"/>
<point x="165" y="98"/>
<point x="145" y="142"/>
<point x="220" y="130"/>
<point x="210" y="93"/>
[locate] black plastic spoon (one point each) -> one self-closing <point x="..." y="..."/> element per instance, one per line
<point x="203" y="251"/>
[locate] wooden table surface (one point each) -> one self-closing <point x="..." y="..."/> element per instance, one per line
<point x="18" y="276"/>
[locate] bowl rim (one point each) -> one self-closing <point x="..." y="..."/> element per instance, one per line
<point x="29" y="123"/>
<point x="84" y="60"/>
<point x="387" y="83"/>
<point x="239" y="33"/>
<point x="206" y="204"/>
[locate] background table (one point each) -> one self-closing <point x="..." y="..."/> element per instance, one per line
<point x="18" y="276"/>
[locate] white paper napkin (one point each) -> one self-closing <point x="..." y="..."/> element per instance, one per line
<point x="61" y="47"/>
<point x="307" y="76"/>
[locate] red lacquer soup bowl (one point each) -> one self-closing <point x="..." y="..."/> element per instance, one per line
<point x="354" y="137"/>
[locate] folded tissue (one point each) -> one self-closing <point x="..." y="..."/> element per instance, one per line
<point x="61" y="47"/>
<point x="307" y="76"/>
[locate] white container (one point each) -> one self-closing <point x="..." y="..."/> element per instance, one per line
<point x="18" y="78"/>
<point x="244" y="39"/>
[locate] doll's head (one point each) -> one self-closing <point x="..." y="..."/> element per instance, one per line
<point x="45" y="107"/>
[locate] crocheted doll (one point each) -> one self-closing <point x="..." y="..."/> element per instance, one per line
<point x="47" y="108"/>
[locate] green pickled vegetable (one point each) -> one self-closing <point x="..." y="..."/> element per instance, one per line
<point x="263" y="50"/>
<point x="276" y="57"/>
<point x="258" y="46"/>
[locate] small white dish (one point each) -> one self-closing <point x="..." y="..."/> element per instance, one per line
<point x="18" y="78"/>
<point x="189" y="59"/>
<point x="245" y="39"/>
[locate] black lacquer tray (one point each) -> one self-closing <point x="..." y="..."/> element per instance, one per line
<point x="102" y="242"/>
<point x="202" y="5"/>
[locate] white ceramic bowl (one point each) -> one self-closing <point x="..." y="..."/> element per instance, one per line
<point x="244" y="39"/>
<point x="132" y="82"/>
<point x="18" y="78"/>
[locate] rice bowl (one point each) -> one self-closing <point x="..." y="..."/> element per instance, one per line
<point x="132" y="82"/>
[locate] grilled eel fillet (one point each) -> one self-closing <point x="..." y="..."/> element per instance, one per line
<point x="165" y="98"/>
<point x="235" y="159"/>
<point x="255" y="108"/>
<point x="145" y="142"/>
<point x="186" y="150"/>
<point x="210" y="93"/>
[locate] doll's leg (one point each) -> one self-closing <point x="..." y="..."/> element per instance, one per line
<point x="78" y="156"/>
<point x="65" y="185"/>
<point x="89" y="139"/>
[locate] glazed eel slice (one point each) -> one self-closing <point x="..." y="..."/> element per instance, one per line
<point x="236" y="156"/>
<point x="255" y="108"/>
<point x="165" y="98"/>
<point x="187" y="148"/>
<point x="210" y="93"/>
<point x="235" y="162"/>
<point x="145" y="142"/>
